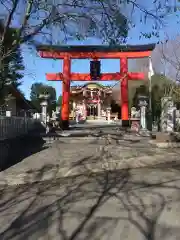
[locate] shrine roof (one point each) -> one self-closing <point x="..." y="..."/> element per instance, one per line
<point x="76" y="87"/>
<point x="97" y="48"/>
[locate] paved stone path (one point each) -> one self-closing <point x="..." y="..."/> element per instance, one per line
<point x="141" y="204"/>
<point x="139" y="199"/>
<point x="95" y="150"/>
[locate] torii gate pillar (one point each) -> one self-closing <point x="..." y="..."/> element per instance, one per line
<point x="124" y="92"/>
<point x="65" y="92"/>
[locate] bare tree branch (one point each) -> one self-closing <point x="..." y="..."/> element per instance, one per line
<point x="108" y="20"/>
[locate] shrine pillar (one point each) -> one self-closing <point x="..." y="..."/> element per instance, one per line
<point x="65" y="92"/>
<point x="84" y="109"/>
<point x="124" y="92"/>
<point x="99" y="109"/>
<point x="98" y="105"/>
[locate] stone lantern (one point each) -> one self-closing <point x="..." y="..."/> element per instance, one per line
<point x="108" y="111"/>
<point x="143" y="103"/>
<point x="44" y="104"/>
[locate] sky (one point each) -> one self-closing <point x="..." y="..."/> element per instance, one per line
<point x="36" y="67"/>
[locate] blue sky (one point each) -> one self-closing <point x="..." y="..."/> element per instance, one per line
<point x="36" y="67"/>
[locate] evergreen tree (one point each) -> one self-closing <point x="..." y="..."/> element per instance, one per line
<point x="40" y="88"/>
<point x="12" y="71"/>
<point x="59" y="101"/>
<point x="160" y="88"/>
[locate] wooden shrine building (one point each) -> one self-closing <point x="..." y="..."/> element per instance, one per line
<point x="93" y="98"/>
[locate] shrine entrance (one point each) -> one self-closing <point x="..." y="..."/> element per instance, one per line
<point x="92" y="110"/>
<point x="67" y="53"/>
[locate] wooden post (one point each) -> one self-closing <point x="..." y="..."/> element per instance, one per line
<point x="124" y="92"/>
<point x="66" y="92"/>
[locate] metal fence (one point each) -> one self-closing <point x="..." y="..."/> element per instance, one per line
<point x="11" y="127"/>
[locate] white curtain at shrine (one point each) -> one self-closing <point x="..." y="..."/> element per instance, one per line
<point x="91" y="94"/>
<point x="84" y="92"/>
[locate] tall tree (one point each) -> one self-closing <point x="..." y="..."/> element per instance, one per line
<point x="161" y="87"/>
<point x="40" y="88"/>
<point x="13" y="64"/>
<point x="15" y="69"/>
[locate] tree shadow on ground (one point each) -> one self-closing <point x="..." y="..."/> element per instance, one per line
<point x="98" y="132"/>
<point x="108" y="205"/>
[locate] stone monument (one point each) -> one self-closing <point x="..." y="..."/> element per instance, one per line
<point x="177" y="120"/>
<point x="168" y="116"/>
<point x="167" y="136"/>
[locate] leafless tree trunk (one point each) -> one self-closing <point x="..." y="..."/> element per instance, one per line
<point x="168" y="56"/>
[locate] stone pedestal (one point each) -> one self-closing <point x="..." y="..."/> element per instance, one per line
<point x="125" y="123"/>
<point x="165" y="140"/>
<point x="64" y="124"/>
<point x="135" y="124"/>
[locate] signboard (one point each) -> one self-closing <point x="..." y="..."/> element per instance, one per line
<point x="8" y="113"/>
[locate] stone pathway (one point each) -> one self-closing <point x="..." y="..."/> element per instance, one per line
<point x="102" y="149"/>
<point x="78" y="199"/>
<point x="141" y="204"/>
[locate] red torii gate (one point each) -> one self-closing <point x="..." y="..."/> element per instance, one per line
<point x="123" y="53"/>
